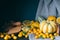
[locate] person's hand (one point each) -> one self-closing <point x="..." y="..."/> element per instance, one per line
<point x="15" y="29"/>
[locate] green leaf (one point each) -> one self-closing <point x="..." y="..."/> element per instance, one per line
<point x="29" y="26"/>
<point x="24" y="32"/>
<point x="41" y="37"/>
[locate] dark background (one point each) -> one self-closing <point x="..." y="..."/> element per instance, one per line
<point x="17" y="10"/>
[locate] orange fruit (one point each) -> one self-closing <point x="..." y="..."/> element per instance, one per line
<point x="44" y="36"/>
<point x="14" y="37"/>
<point x="56" y="34"/>
<point x="26" y="36"/>
<point x="1" y="35"/>
<point x="36" y="36"/>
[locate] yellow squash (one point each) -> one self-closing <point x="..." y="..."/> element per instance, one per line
<point x="58" y="20"/>
<point x="48" y="27"/>
<point x="51" y="18"/>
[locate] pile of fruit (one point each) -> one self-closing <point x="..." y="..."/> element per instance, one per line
<point x="41" y="28"/>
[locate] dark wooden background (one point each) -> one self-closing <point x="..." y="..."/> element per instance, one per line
<point x="17" y="10"/>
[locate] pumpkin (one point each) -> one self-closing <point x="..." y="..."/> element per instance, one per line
<point x="51" y="18"/>
<point x="48" y="27"/>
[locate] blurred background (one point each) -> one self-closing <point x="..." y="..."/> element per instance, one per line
<point x="18" y="10"/>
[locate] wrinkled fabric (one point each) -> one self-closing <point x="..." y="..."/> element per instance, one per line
<point x="48" y="7"/>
